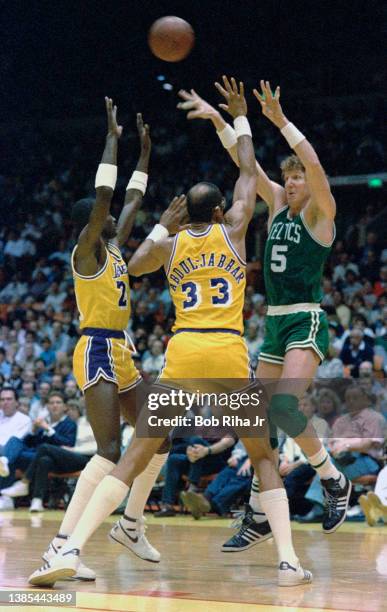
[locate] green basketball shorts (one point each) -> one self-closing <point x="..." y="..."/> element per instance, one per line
<point x="304" y="330"/>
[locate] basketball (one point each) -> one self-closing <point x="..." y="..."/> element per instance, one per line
<point x="171" y="39"/>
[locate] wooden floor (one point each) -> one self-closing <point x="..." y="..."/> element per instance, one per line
<point x="350" y="568"/>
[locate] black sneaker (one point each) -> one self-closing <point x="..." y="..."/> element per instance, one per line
<point x="250" y="533"/>
<point x="166" y="511"/>
<point x="336" y="500"/>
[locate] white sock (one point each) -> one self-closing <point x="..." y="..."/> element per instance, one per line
<point x="275" y="504"/>
<point x="59" y="541"/>
<point x="141" y="488"/>
<point x="321" y="462"/>
<point x="107" y="496"/>
<point x="91" y="476"/>
<point x="255" y="503"/>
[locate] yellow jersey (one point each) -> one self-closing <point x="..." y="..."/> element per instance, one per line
<point x="207" y="280"/>
<point x="103" y="299"/>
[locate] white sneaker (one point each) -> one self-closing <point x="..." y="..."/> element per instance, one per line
<point x="36" y="505"/>
<point x="288" y="575"/>
<point x="134" y="539"/>
<point x="58" y="568"/>
<point x="83" y="572"/>
<point x="18" y="489"/>
<point x="4" y="469"/>
<point x="6" y="503"/>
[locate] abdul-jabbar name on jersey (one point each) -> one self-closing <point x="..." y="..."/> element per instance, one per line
<point x="294" y="261"/>
<point x="103" y="299"/>
<point x="207" y="280"/>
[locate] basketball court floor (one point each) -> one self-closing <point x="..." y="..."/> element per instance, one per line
<point x="349" y="567"/>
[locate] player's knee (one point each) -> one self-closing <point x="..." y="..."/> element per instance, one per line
<point x="285" y="414"/>
<point x="110" y="451"/>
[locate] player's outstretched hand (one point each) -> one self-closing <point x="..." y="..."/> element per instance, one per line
<point x="270" y="104"/>
<point x="113" y="128"/>
<point x="176" y="216"/>
<point x="144" y="134"/>
<point x="235" y="99"/>
<point x="197" y="107"/>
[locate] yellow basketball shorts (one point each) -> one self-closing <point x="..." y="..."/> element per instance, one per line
<point x="104" y="354"/>
<point x="206" y="354"/>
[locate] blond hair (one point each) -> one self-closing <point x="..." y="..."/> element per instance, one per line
<point x="291" y="163"/>
<point x="330" y="394"/>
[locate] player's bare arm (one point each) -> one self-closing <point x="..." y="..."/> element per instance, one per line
<point x="272" y="193"/>
<point x="152" y="254"/>
<point x="134" y="195"/>
<point x="320" y="210"/>
<point x="90" y="254"/>
<point x="244" y="197"/>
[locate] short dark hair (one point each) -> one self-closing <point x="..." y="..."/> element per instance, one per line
<point x="81" y="211"/>
<point x="202" y="199"/>
<point x="56" y="394"/>
<point x="359" y="316"/>
<point x="9" y="388"/>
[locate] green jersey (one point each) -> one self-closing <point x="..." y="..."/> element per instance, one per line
<point x="293" y="262"/>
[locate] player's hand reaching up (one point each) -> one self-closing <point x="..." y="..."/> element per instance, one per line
<point x="197" y="107"/>
<point x="235" y="99"/>
<point x="113" y="128"/>
<point x="143" y="133"/>
<point x="176" y="216"/>
<point x="270" y="104"/>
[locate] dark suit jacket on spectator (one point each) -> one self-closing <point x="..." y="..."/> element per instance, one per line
<point x="64" y="434"/>
<point x="348" y="356"/>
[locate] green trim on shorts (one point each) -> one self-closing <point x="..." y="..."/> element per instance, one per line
<point x="305" y="345"/>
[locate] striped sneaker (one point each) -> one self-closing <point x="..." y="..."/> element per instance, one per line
<point x="60" y="567"/>
<point x="250" y="532"/>
<point x="288" y="575"/>
<point x="83" y="573"/>
<point x="336" y="500"/>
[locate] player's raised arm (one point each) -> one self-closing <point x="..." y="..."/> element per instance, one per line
<point x="244" y="197"/>
<point x="272" y="193"/>
<point x="136" y="186"/>
<point x="322" y="202"/>
<point x="155" y="251"/>
<point x="105" y="182"/>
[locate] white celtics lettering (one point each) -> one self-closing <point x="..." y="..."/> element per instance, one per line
<point x="286" y="231"/>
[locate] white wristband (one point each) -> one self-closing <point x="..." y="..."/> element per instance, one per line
<point x="159" y="232"/>
<point x="227" y="136"/>
<point x="106" y="176"/>
<point x="138" y="180"/>
<point x="292" y="135"/>
<point x="242" y="126"/>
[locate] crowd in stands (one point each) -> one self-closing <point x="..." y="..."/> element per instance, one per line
<point x="39" y="319"/>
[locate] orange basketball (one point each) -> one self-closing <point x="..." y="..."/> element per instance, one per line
<point x="171" y="39"/>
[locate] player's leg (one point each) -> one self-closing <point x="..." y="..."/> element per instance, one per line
<point x="104" y="416"/>
<point x="254" y="527"/>
<point x="130" y="529"/>
<point x="300" y="366"/>
<point x="107" y="496"/>
<point x="274" y="502"/>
